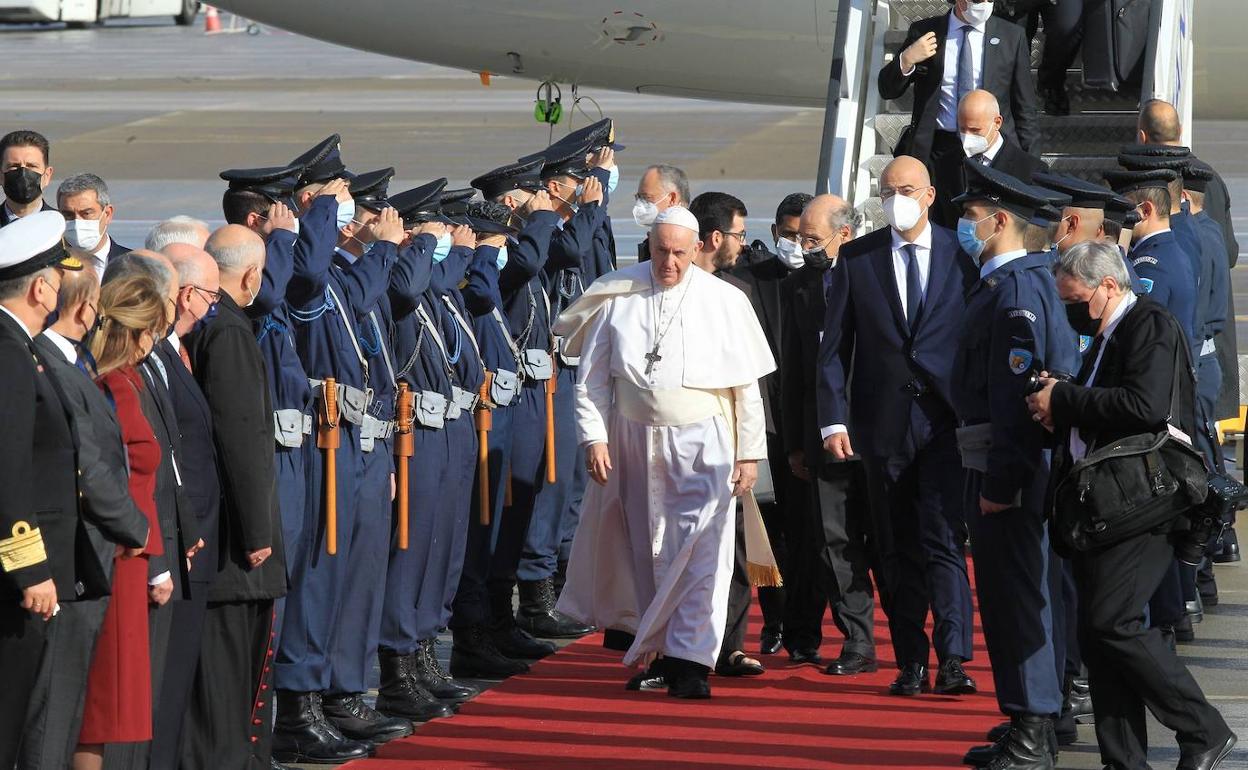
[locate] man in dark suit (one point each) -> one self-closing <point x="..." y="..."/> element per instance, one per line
<point x="829" y="545"/>
<point x="84" y="201"/>
<point x="197" y="294"/>
<point x="979" y="130"/>
<point x="229" y="722"/>
<point x="947" y="57"/>
<point x="903" y="301"/>
<point x="1125" y="388"/>
<point x="39" y="523"/>
<point x="24" y="157"/>
<point x="659" y="188"/>
<point x="110" y="521"/>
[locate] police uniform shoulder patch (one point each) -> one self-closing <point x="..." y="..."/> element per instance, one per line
<point x="1022" y="313"/>
<point x="1085" y="342"/>
<point x="1147" y="285"/>
<point x="1020" y="360"/>
<point x="1145" y="260"/>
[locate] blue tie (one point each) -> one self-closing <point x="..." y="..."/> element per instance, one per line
<point x="966" y="66"/>
<point x="914" y="286"/>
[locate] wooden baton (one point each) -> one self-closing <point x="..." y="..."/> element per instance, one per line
<point x="484" y="423"/>
<point x="328" y="438"/>
<point x="551" y="386"/>
<point x="404" y="448"/>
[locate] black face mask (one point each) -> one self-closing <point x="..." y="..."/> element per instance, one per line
<point x="1079" y="316"/>
<point x="22" y="185"/>
<point x="818" y="258"/>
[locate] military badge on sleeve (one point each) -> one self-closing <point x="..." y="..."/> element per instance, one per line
<point x="1085" y="342"/>
<point x="1020" y="360"/>
<point x="1147" y="285"/>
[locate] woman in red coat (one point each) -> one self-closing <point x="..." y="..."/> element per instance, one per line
<point x="118" y="707"/>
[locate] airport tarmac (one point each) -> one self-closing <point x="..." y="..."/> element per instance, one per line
<point x="158" y="111"/>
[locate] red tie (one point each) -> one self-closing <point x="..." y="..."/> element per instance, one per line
<point x="186" y="358"/>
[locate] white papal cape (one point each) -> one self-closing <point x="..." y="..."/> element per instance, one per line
<point x="653" y="554"/>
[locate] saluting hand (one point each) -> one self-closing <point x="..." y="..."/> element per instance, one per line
<point x="604" y="158"/>
<point x="388" y="226"/>
<point x="281" y="218"/>
<point x="598" y="462"/>
<point x="429" y="228"/>
<point x="919" y="51"/>
<point x="338" y="189"/>
<point x="462" y="235"/>
<point x="540" y="201"/>
<point x="493" y="239"/>
<point x="591" y="191"/>
<point x="744" y="475"/>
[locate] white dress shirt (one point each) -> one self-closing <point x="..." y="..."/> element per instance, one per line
<point x="923" y="253"/>
<point x="990" y="154"/>
<point x="101" y="256"/>
<point x="947" y="115"/>
<point x="66" y="347"/>
<point x="1078" y="449"/>
<point x="1000" y="261"/>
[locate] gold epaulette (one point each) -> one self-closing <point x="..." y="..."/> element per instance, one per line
<point x="24" y="549"/>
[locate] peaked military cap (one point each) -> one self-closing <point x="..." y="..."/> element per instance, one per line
<point x="369" y="189"/>
<point x="593" y="137"/>
<point x="489" y="217"/>
<point x="1122" y="210"/>
<point x="1149" y="157"/>
<point x="1130" y="180"/>
<point x="32" y="243"/>
<point x="1197" y="175"/>
<point x="1054" y="203"/>
<point x="513" y="176"/>
<point x="322" y="163"/>
<point x="985" y="183"/>
<point x="563" y="161"/>
<point x="1083" y="194"/>
<point x="454" y="205"/>
<point x="273" y="182"/>
<point x="419" y="204"/>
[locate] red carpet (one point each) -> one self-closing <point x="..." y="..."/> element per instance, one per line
<point x="571" y="711"/>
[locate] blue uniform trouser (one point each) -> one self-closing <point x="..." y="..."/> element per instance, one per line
<point x="528" y="468"/>
<point x="471" y="605"/>
<point x="1012" y="556"/>
<point x="921" y="535"/>
<point x="541" y="544"/>
<point x="359" y="620"/>
<point x="460" y="487"/>
<point x="572" y="514"/>
<point x="292" y="468"/>
<point x="401" y="630"/>
<point x="318" y="580"/>
<point x="1208" y="384"/>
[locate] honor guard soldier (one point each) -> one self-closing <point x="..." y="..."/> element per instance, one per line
<point x="520" y="188"/>
<point x="581" y="205"/>
<point x="322" y="299"/>
<point x="1014" y="326"/>
<point x="1087" y="216"/>
<point x="38" y="470"/>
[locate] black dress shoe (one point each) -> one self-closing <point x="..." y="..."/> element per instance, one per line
<point x="357" y="720"/>
<point x="981" y="756"/>
<point x="686" y="679"/>
<point x="770" y="644"/>
<point x="912" y="679"/>
<point x="1078" y="702"/>
<point x="1195" y="609"/>
<point x="1167" y="636"/>
<point x="1208" y="760"/>
<point x="806" y="656"/>
<point x="302" y="734"/>
<point x="515" y="642"/>
<point x="537" y="614"/>
<point x="999" y="731"/>
<point x="1030" y="745"/>
<point x="1228" y="555"/>
<point x="400" y="693"/>
<point x="651" y="679"/>
<point x="952" y="679"/>
<point x="1056" y="102"/>
<point x="1065" y="729"/>
<point x="275" y="765"/>
<point x="1183" y="631"/>
<point x="429" y="672"/>
<point x="739" y="664"/>
<point x="1209" y="600"/>
<point x="851" y="663"/>
<point x="475" y="656"/>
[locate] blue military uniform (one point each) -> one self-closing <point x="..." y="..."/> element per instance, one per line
<point x="1015" y="325"/>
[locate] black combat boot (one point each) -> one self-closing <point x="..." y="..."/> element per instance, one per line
<point x="428" y="672"/>
<point x="400" y="695"/>
<point x="508" y="637"/>
<point x="538" y="615"/>
<point x="475" y="656"/>
<point x="1030" y="745"/>
<point x="302" y="734"/>
<point x="1079" y="701"/>
<point x="357" y="720"/>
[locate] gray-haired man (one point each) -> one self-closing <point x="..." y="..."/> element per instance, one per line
<point x="84" y="201"/>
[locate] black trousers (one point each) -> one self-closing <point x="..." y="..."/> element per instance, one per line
<point x="185" y="640"/>
<point x="1130" y="666"/>
<point x="738" y="600"/>
<point x="785" y="520"/>
<point x="55" y="714"/>
<point x="21" y="653"/>
<point x="229" y="725"/>
<point x="1063" y="35"/>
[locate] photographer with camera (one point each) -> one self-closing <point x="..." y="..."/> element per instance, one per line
<point x="1124" y="422"/>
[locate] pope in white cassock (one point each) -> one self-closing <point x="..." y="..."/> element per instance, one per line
<point x="669" y="410"/>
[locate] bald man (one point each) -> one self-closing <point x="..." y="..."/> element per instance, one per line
<point x="195" y="287"/>
<point x="979" y="131"/>
<point x="231" y="710"/>
<point x="900" y="290"/>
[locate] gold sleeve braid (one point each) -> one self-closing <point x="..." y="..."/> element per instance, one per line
<point x="24" y="549"/>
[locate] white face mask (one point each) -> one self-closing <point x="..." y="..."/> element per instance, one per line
<point x="83" y="233"/>
<point x="902" y="212"/>
<point x="645" y="212"/>
<point x="978" y="13"/>
<point x="974" y="144"/>
<point x="790" y="253"/>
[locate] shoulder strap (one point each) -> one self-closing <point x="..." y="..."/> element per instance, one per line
<point x="502" y="327"/>
<point x="351" y="333"/>
<point x="383" y="343"/>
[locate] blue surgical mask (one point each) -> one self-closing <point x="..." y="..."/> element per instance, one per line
<point x="346" y="213"/>
<point x="502" y="257"/>
<point x="443" y="248"/>
<point x="613" y="179"/>
<point x="208" y="318"/>
<point x="968" y="240"/>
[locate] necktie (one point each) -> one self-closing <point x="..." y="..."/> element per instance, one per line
<point x="186" y="358"/>
<point x="914" y="285"/>
<point x="966" y="68"/>
<point x="82" y="366"/>
<point x="980" y="158"/>
<point x="1089" y="360"/>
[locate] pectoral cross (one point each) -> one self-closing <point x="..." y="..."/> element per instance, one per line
<point x="652" y="358"/>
